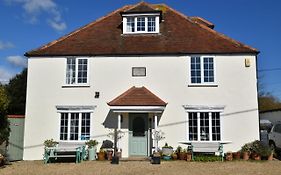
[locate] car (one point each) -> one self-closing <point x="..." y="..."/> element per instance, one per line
<point x="274" y="137"/>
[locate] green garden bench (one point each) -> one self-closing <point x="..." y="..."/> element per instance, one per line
<point x="65" y="150"/>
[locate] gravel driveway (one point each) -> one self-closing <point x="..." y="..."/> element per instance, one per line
<point x="143" y="167"/>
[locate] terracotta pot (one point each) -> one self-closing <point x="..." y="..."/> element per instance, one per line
<point x="229" y="156"/>
<point x="101" y="155"/>
<point x="174" y="156"/>
<point x="270" y="157"/>
<point x="236" y="155"/>
<point x="109" y="155"/>
<point x="255" y="156"/>
<point x="182" y="156"/>
<point x="246" y="156"/>
<point x="188" y="157"/>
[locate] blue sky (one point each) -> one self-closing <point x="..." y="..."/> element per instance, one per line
<point x="28" y="24"/>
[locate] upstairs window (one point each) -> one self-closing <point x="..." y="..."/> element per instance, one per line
<point x="145" y="23"/>
<point x="77" y="71"/>
<point x="202" y="70"/>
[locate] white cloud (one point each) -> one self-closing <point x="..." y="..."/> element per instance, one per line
<point x="5" y="76"/>
<point x="34" y="8"/>
<point x="18" y="61"/>
<point x="5" y="45"/>
<point x="59" y="26"/>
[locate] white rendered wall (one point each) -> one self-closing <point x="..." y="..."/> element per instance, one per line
<point x="167" y="77"/>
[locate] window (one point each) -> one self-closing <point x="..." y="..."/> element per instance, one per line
<point x="138" y="71"/>
<point x="208" y="124"/>
<point x="202" y="70"/>
<point x="77" y="71"/>
<point x="151" y="24"/>
<point x="75" y="126"/>
<point x="130" y="24"/>
<point x="141" y="24"/>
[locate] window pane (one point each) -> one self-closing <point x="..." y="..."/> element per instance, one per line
<point x="193" y="126"/>
<point x="74" y="126"/>
<point x="70" y="71"/>
<point x="151" y="24"/>
<point x="130" y="24"/>
<point x="141" y="24"/>
<point x="208" y="69"/>
<point x="85" y="127"/>
<point x="64" y="126"/>
<point x="139" y="71"/>
<point x="195" y="70"/>
<point x="204" y="126"/>
<point x="82" y="70"/>
<point x="216" y="126"/>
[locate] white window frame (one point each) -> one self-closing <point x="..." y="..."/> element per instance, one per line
<point x="199" y="109"/>
<point x="76" y="72"/>
<point x="79" y="110"/>
<point x="202" y="71"/>
<point x="135" y="16"/>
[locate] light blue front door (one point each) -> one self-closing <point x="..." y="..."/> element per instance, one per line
<point x="138" y="134"/>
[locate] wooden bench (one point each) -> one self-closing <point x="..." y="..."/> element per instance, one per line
<point x="66" y="150"/>
<point x="207" y="147"/>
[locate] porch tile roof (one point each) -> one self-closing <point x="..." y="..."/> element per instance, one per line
<point x="137" y="96"/>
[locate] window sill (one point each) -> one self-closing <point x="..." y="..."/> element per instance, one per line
<point x="203" y="85"/>
<point x="74" y="85"/>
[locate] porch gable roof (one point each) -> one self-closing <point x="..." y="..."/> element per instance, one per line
<point x="137" y="96"/>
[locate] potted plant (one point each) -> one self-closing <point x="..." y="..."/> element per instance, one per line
<point x="157" y="136"/>
<point x="246" y="151"/>
<point x="236" y="155"/>
<point x="182" y="154"/>
<point x="229" y="156"/>
<point x="156" y="157"/>
<point x="167" y="151"/>
<point x="50" y="143"/>
<point x="92" y="149"/>
<point x="101" y="154"/>
<point x="256" y="150"/>
<point x="175" y="155"/>
<point x="188" y="155"/>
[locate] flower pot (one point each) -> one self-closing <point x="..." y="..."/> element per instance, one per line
<point x="174" y="156"/>
<point x="256" y="156"/>
<point x="101" y="155"/>
<point x="182" y="156"/>
<point x="229" y="156"/>
<point x="236" y="155"/>
<point x="165" y="157"/>
<point x="115" y="160"/>
<point x="270" y="157"/>
<point x="92" y="153"/>
<point x="109" y="155"/>
<point x="155" y="160"/>
<point x="167" y="151"/>
<point x="188" y="157"/>
<point x="246" y="156"/>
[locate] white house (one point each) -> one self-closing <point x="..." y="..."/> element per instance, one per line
<point x="142" y="68"/>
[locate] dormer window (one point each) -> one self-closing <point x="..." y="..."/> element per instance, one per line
<point x="141" y="23"/>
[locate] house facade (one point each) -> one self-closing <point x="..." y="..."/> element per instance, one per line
<point x="140" y="69"/>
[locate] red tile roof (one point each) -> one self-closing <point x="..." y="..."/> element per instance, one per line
<point x="179" y="34"/>
<point x="137" y="97"/>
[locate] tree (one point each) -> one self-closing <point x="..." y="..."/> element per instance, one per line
<point x="4" y="123"/>
<point x="16" y="90"/>
<point x="268" y="102"/>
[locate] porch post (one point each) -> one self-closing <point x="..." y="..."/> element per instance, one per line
<point x="118" y="129"/>
<point x="119" y="121"/>
<point x="155" y="129"/>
